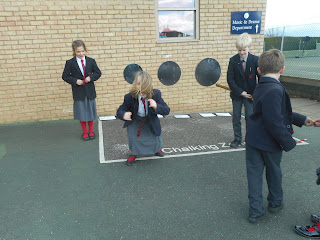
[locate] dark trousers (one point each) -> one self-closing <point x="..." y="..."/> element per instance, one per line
<point x="256" y="160"/>
<point x="236" y="115"/>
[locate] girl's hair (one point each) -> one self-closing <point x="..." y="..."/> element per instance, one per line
<point x="243" y="41"/>
<point x="76" y="44"/>
<point x="145" y="86"/>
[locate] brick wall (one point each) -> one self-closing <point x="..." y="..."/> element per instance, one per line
<point x="36" y="39"/>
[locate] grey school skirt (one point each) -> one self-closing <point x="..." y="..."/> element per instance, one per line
<point x="148" y="143"/>
<point x="85" y="110"/>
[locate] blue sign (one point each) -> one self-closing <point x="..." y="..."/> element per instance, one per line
<point x="249" y="22"/>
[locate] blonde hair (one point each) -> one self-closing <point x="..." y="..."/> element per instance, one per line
<point x="76" y="44"/>
<point x="243" y="41"/>
<point x="144" y="87"/>
<point x="271" y="61"/>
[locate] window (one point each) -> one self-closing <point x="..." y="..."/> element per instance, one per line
<point x="177" y="20"/>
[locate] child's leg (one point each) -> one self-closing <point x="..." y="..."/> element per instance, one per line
<point x="90" y="124"/>
<point x="236" y="119"/>
<point x="274" y="177"/>
<point x="255" y="167"/>
<point x="84" y="127"/>
<point x="85" y="135"/>
<point x="248" y="107"/>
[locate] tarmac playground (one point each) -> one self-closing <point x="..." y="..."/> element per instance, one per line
<point x="53" y="185"/>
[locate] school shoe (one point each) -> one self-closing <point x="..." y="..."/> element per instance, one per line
<point x="235" y="144"/>
<point x="255" y="219"/>
<point x="311" y="232"/>
<point x="131" y="160"/>
<point x="92" y="135"/>
<point x="275" y="208"/>
<point x="159" y="153"/>
<point x="315" y="218"/>
<point x="85" y="136"/>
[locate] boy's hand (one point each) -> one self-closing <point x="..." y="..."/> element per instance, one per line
<point x="152" y="103"/>
<point x="309" y="122"/>
<point x="316" y="123"/>
<point x="127" y="116"/>
<point x="246" y="95"/>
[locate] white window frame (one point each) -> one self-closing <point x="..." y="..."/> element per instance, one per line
<point x="179" y="39"/>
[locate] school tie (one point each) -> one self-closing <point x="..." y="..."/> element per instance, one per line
<point x="243" y="68"/>
<point x="143" y="120"/>
<point x="84" y="71"/>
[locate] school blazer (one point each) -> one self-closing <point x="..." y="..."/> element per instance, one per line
<point x="131" y="104"/>
<point x="269" y="128"/>
<point x="237" y="81"/>
<point x="72" y="73"/>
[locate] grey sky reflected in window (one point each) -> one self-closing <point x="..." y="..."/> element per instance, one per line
<point x="177" y="21"/>
<point x="176" y="3"/>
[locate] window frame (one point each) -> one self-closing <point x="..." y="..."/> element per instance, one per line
<point x="179" y="39"/>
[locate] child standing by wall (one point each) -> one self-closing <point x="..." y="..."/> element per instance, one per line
<point x="81" y="72"/>
<point x="242" y="79"/>
<point x="269" y="132"/>
<point x="139" y="111"/>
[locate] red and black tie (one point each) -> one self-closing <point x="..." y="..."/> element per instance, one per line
<point x="143" y="120"/>
<point x="84" y="71"/>
<point x="244" y="70"/>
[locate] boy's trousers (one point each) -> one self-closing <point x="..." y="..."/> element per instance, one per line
<point x="256" y="160"/>
<point x="236" y="115"/>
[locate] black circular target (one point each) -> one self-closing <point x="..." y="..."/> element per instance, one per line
<point x="169" y="73"/>
<point x="208" y="72"/>
<point x="130" y="71"/>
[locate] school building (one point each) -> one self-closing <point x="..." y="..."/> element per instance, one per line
<point x="36" y="37"/>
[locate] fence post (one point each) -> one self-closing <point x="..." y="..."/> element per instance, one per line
<point x="282" y="39"/>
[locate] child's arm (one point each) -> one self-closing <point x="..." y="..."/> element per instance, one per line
<point x="298" y="119"/>
<point x="96" y="73"/>
<point x="67" y="76"/>
<point x="231" y="79"/>
<point x="160" y="106"/>
<point x="124" y="108"/>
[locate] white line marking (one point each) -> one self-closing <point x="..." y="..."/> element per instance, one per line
<point x="222" y="114"/>
<point x="101" y="146"/>
<point x="181" y="116"/>
<point x="177" y="155"/>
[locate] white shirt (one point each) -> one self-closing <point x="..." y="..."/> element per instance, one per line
<point x="141" y="112"/>
<point x="80" y="64"/>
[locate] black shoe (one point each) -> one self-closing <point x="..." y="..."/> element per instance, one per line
<point x="235" y="144"/>
<point x="304" y="231"/>
<point x="255" y="219"/>
<point x="130" y="163"/>
<point x="315" y="218"/>
<point x="85" y="137"/>
<point x="159" y="153"/>
<point x="92" y="137"/>
<point x="131" y="160"/>
<point x="275" y="208"/>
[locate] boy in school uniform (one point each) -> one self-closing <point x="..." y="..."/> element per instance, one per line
<point x="242" y="79"/>
<point x="269" y="132"/>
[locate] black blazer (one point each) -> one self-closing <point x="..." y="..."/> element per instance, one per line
<point x="269" y="128"/>
<point x="72" y="73"/>
<point x="131" y="104"/>
<point x="237" y="81"/>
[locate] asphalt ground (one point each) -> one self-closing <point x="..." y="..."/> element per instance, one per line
<point x="53" y="186"/>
